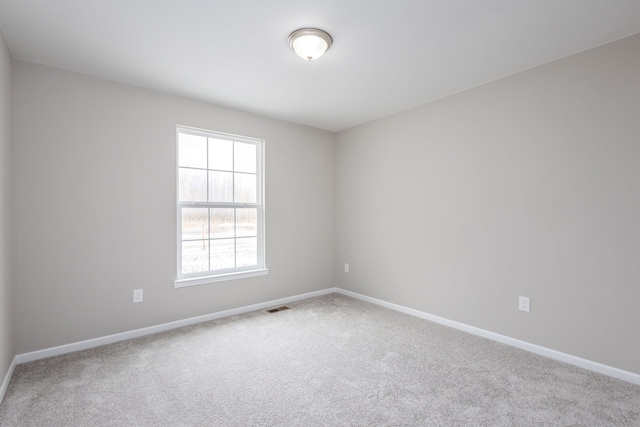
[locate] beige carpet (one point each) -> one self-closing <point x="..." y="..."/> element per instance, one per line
<point x="328" y="361"/>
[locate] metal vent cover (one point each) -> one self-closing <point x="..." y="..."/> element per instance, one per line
<point x="275" y="310"/>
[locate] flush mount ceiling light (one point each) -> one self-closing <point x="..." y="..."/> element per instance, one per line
<point x="310" y="43"/>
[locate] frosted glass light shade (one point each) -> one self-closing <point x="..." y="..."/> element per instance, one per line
<point x="310" y="43"/>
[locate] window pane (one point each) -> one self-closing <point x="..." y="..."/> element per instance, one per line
<point x="192" y="151"/>
<point x="220" y="186"/>
<point x="246" y="252"/>
<point x="244" y="157"/>
<point x="195" y="257"/>
<point x="193" y="185"/>
<point x="222" y="223"/>
<point x="222" y="254"/>
<point x="246" y="222"/>
<point x="244" y="188"/>
<point x="194" y="223"/>
<point x="220" y="154"/>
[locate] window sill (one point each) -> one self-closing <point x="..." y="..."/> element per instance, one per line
<point x="194" y="281"/>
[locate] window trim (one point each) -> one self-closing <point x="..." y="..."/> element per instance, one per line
<point x="193" y="279"/>
<point x="203" y="280"/>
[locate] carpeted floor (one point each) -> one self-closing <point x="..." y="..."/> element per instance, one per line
<point x="328" y="361"/>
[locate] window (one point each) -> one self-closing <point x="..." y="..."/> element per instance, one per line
<point x="220" y="211"/>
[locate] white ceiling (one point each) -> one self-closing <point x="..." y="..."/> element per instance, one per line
<point x="387" y="55"/>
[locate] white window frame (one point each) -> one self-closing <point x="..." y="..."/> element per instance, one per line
<point x="212" y="276"/>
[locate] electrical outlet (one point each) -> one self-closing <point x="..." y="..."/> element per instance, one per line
<point x="137" y="295"/>
<point x="346" y="268"/>
<point x="524" y="304"/>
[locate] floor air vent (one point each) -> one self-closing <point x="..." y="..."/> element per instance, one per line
<point x="275" y="310"/>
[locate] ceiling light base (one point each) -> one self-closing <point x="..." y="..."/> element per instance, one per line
<point x="310" y="43"/>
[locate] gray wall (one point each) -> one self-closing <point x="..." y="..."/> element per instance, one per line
<point x="95" y="207"/>
<point x="6" y="279"/>
<point x="529" y="185"/>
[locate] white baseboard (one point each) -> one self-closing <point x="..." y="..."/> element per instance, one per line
<point x="543" y="351"/>
<point x="109" y="339"/>
<point x="7" y="378"/>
